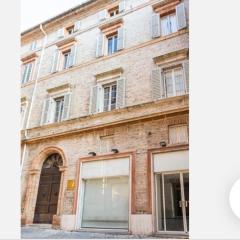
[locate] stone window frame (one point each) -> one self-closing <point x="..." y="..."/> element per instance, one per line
<point x="168" y="61"/>
<point x="26" y="60"/>
<point x="166" y="8"/>
<point x="54" y="93"/>
<point x="66" y="45"/>
<point x="108" y="30"/>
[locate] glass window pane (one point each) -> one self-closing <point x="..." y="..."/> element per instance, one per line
<point x="164" y="26"/>
<point x="106" y="203"/>
<point x="172" y="23"/>
<point x="110" y="45"/>
<point x="179" y="82"/>
<point x="169" y="83"/>
<point x="115" y="44"/>
<point x="173" y="208"/>
<point x="113" y="96"/>
<point x="106" y="98"/>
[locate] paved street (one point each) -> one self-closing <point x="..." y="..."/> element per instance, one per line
<point x="45" y="232"/>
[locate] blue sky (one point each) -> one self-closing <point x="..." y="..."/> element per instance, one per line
<point x="34" y="12"/>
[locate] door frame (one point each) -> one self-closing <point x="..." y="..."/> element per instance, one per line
<point x="151" y="180"/>
<point x="34" y="179"/>
<point x="180" y="172"/>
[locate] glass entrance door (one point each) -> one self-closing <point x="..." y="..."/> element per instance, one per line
<point x="172" y="190"/>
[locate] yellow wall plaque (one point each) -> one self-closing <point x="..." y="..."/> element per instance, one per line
<point x="70" y="184"/>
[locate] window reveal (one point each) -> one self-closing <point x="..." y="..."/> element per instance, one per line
<point x="112" y="44"/>
<point x="110" y="94"/>
<point x="174" y="82"/>
<point x="168" y="24"/>
<point x="58" y="109"/>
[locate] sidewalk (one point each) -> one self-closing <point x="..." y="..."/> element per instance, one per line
<point x="46" y="232"/>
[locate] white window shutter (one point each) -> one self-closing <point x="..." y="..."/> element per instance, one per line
<point x="156" y="26"/>
<point x="186" y="74"/>
<point x="60" y="33"/>
<point x="55" y="61"/>
<point x="122" y="6"/>
<point x="100" y="45"/>
<point x="72" y="57"/>
<point x="102" y="15"/>
<point x="25" y="70"/>
<point x="66" y="106"/>
<point x="77" y="26"/>
<point x="46" y="111"/>
<point x="33" y="46"/>
<point x="181" y="16"/>
<point x="93" y="107"/>
<point x="158" y="86"/>
<point x="120" y="93"/>
<point x="121" y="38"/>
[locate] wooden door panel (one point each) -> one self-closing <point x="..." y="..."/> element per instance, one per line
<point x="47" y="198"/>
<point x="44" y="193"/>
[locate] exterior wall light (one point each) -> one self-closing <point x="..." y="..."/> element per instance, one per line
<point x="92" y="153"/>
<point x="163" y="144"/>
<point x="114" y="150"/>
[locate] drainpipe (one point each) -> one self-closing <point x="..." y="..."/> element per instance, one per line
<point x="33" y="97"/>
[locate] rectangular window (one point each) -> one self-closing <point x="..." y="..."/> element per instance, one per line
<point x="112" y="44"/>
<point x="66" y="57"/>
<point x="174" y="82"/>
<point x="169" y="24"/>
<point x="58" y="109"/>
<point x="110" y="94"/>
<point x="113" y="12"/>
<point x="27" y="72"/>
<point x="70" y="30"/>
<point x="178" y="134"/>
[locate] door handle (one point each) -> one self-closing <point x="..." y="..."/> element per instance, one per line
<point x="180" y="204"/>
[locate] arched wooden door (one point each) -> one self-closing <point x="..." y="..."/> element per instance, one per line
<point x="48" y="190"/>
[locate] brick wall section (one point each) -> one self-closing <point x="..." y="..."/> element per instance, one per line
<point x="131" y="137"/>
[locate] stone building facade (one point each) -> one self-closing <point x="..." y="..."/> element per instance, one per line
<point x="104" y="106"/>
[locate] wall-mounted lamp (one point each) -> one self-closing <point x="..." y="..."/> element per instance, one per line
<point x="92" y="153"/>
<point x="163" y="144"/>
<point x="114" y="150"/>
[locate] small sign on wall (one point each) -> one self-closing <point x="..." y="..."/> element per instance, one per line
<point x="70" y="185"/>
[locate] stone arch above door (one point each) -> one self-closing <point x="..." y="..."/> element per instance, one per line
<point x="33" y="182"/>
